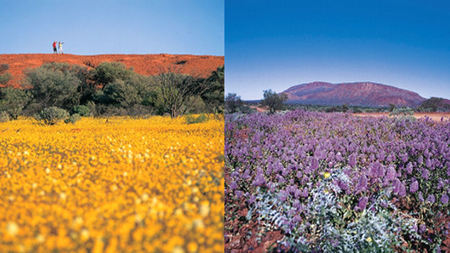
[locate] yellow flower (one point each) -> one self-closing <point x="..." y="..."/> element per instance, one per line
<point x="148" y="178"/>
<point x="326" y="175"/>
<point x="369" y="239"/>
<point x="12" y="228"/>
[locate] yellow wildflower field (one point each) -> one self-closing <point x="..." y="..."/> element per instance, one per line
<point x="116" y="185"/>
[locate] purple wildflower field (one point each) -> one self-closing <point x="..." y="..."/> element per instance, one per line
<point x="333" y="182"/>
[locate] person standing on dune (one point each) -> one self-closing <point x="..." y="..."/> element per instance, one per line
<point x="54" y="47"/>
<point x="60" y="44"/>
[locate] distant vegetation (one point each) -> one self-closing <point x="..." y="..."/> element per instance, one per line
<point x="276" y="102"/>
<point x="109" y="89"/>
<point x="273" y="101"/>
<point x="435" y="105"/>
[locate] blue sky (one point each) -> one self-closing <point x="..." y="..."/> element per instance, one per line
<point x="113" y="26"/>
<point x="278" y="44"/>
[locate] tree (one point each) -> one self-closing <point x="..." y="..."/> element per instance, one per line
<point x="214" y="91"/>
<point x="273" y="100"/>
<point x="108" y="72"/>
<point x="122" y="87"/>
<point x="121" y="93"/>
<point x="52" y="115"/>
<point x="174" y="92"/>
<point x="55" y="84"/>
<point x="434" y="104"/>
<point x="344" y="108"/>
<point x="4" y="77"/>
<point x="13" y="101"/>
<point x="391" y="107"/>
<point x="233" y="103"/>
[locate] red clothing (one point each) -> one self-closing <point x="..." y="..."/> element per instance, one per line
<point x="54" y="44"/>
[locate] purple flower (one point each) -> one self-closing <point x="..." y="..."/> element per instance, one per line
<point x="421" y="197"/>
<point x="422" y="228"/>
<point x="362" y="184"/>
<point x="431" y="198"/>
<point x="259" y="180"/>
<point x="305" y="193"/>
<point x="282" y="196"/>
<point x="352" y="160"/>
<point x="425" y="174"/>
<point x="233" y="185"/>
<point x="444" y="199"/>
<point x="402" y="190"/>
<point x="428" y="163"/>
<point x="391" y="173"/>
<point x="314" y="164"/>
<point x="409" y="168"/>
<point x="420" y="160"/>
<point x="362" y="203"/>
<point x="414" y="186"/>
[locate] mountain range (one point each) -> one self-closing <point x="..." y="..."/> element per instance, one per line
<point x="354" y="93"/>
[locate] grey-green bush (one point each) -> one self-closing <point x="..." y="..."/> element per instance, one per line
<point x="13" y="101"/>
<point x="56" y="84"/>
<point x="73" y="118"/>
<point x="82" y="110"/>
<point x="273" y="100"/>
<point x="4" y="116"/>
<point x="52" y="115"/>
<point x="190" y="119"/>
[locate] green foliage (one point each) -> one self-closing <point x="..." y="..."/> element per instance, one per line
<point x="196" y="105"/>
<point x="214" y="93"/>
<point x="13" y="101"/>
<point x="391" y="107"/>
<point x="81" y="110"/>
<point x="52" y="115"/>
<point x="233" y="103"/>
<point x="174" y="91"/>
<point x="4" y="77"/>
<point x="435" y="104"/>
<point x="73" y="118"/>
<point x="273" y="100"/>
<point x="190" y="119"/>
<point x="56" y="84"/>
<point x="402" y="112"/>
<point x="121" y="93"/>
<point x="108" y="72"/>
<point x="4" y="116"/>
<point x="113" y="89"/>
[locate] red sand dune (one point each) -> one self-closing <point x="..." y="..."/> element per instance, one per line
<point x="146" y="64"/>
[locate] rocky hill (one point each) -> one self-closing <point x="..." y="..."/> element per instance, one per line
<point x="357" y="93"/>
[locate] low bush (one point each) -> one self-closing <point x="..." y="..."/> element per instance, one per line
<point x="73" y="118"/>
<point x="81" y="110"/>
<point x="4" y="117"/>
<point x="52" y="115"/>
<point x="190" y="119"/>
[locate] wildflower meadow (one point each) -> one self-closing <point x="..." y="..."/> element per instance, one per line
<point x="333" y="182"/>
<point x="112" y="185"/>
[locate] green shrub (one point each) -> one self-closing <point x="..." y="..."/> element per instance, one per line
<point x="82" y="110"/>
<point x="56" y="84"/>
<point x="4" y="116"/>
<point x="273" y="100"/>
<point x="73" y="118"/>
<point x="52" y="115"/>
<point x="13" y="101"/>
<point x="190" y="119"/>
<point x="5" y="78"/>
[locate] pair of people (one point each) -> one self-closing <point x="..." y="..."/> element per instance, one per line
<point x="59" y="44"/>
